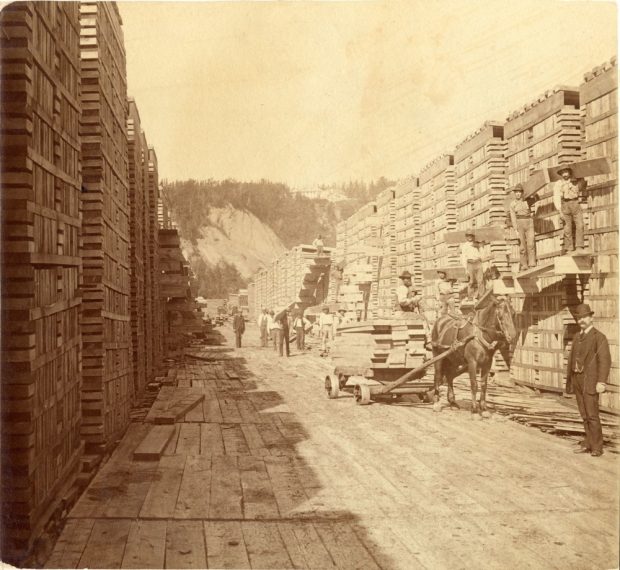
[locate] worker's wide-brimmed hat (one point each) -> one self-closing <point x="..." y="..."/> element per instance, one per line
<point x="565" y="169"/>
<point x="582" y="310"/>
<point x="405" y="275"/>
<point x="470" y="233"/>
<point x="517" y="188"/>
<point x="324" y="308"/>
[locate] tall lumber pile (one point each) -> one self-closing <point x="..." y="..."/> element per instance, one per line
<point x="598" y="98"/>
<point x="41" y="355"/>
<point x="106" y="312"/>
<point x="542" y="134"/>
<point x="387" y="274"/>
<point x="407" y="225"/>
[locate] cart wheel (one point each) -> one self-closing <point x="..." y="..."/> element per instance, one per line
<point x="342" y="380"/>
<point x="361" y="393"/>
<point x="332" y="387"/>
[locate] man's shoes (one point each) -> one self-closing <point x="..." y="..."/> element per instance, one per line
<point x="597" y="453"/>
<point x="583" y="450"/>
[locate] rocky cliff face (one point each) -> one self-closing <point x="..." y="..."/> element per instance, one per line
<point x="236" y="237"/>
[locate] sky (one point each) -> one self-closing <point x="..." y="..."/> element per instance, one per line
<point x="319" y="92"/>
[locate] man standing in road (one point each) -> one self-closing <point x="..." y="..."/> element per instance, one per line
<point x="262" y="327"/>
<point x="566" y="193"/>
<point x="238" y="325"/>
<point x="522" y="219"/>
<point x="299" y="324"/>
<point x="326" y="328"/>
<point x="588" y="368"/>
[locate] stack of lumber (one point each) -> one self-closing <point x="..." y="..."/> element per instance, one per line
<point x="540" y="135"/>
<point x="106" y="332"/>
<point x="387" y="272"/>
<point x="598" y="96"/>
<point x="41" y="355"/>
<point x="380" y="344"/>
<point x="137" y="227"/>
<point x="480" y="163"/>
<point x="437" y="216"/>
<point x="407" y="226"/>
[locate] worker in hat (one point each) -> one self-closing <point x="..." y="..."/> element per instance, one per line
<point x="589" y="363"/>
<point x="522" y="218"/>
<point x="444" y="292"/>
<point x="566" y="194"/>
<point x="471" y="258"/>
<point x="326" y="329"/>
<point x="407" y="296"/>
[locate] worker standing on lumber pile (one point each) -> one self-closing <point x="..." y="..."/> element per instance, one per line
<point x="589" y="363"/>
<point x="326" y="328"/>
<point x="407" y="297"/>
<point x="471" y="258"/>
<point x="262" y="327"/>
<point x="444" y="293"/>
<point x="318" y="243"/>
<point x="522" y="219"/>
<point x="566" y="193"/>
<point x="238" y="325"/>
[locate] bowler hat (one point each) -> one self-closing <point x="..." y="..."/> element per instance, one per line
<point x="582" y="310"/>
<point x="564" y="169"/>
<point x="405" y="275"/>
<point x="518" y="188"/>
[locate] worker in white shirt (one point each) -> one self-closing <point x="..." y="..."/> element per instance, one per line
<point x="407" y="297"/>
<point x="272" y="328"/>
<point x="566" y="193"/>
<point x="326" y="328"/>
<point x="471" y="258"/>
<point x="300" y="324"/>
<point x="444" y="293"/>
<point x="262" y="327"/>
<point x="318" y="243"/>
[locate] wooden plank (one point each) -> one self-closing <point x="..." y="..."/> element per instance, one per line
<point x="255" y="442"/>
<point x="211" y="440"/>
<point x="484" y="234"/>
<point x="452" y="273"/>
<point x="583" y="168"/>
<point x="106" y="544"/>
<point x="225" y="545"/>
<point x="185" y="545"/>
<point x="537" y="180"/>
<point x="152" y="446"/>
<point x="226" y="493"/>
<point x="230" y="413"/>
<point x="128" y="499"/>
<point x="265" y="546"/>
<point x="161" y="499"/>
<point x="189" y="439"/>
<point x="258" y="496"/>
<point x="196" y="414"/>
<point x="304" y="545"/>
<point x="71" y="543"/>
<point x="146" y="545"/>
<point x="287" y="484"/>
<point x="344" y="546"/>
<point x="211" y="410"/>
<point x="195" y="490"/>
<point x="178" y="409"/>
<point x="573" y="264"/>
<point x="234" y="440"/>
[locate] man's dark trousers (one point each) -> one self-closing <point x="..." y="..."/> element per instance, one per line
<point x="238" y="335"/>
<point x="588" y="408"/>
<point x="300" y="334"/>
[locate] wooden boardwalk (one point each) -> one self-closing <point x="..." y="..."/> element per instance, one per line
<point x="269" y="473"/>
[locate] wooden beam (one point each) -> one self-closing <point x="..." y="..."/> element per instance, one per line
<point x="152" y="446"/>
<point x="457" y="273"/>
<point x="582" y="169"/>
<point x="573" y="264"/>
<point x="484" y="234"/>
<point x="534" y="183"/>
<point x="538" y="271"/>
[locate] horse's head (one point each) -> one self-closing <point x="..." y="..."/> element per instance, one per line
<point x="505" y="318"/>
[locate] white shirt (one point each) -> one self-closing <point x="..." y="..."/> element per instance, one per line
<point x="402" y="293"/>
<point x="326" y="319"/>
<point x="470" y="252"/>
<point x="317" y="242"/>
<point x="270" y="322"/>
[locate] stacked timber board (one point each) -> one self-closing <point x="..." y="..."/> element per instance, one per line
<point x="379" y="344"/>
<point x="407" y="225"/>
<point x="106" y="312"/>
<point x="540" y="135"/>
<point x="543" y="134"/>
<point x="299" y="277"/>
<point x="480" y="165"/>
<point x="41" y="355"/>
<point x="137" y="200"/>
<point x="437" y="216"/>
<point x="598" y="98"/>
<point x="387" y="274"/>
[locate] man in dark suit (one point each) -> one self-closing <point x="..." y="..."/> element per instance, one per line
<point x="239" y="328"/>
<point x="588" y="368"/>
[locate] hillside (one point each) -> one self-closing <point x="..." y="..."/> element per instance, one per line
<point x="230" y="229"/>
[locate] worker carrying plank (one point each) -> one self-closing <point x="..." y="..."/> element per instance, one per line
<point x="522" y="218"/>
<point x="407" y="296"/>
<point x="566" y="194"/>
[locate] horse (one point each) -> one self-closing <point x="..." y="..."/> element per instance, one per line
<point x="492" y="324"/>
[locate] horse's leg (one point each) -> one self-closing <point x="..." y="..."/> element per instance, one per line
<point x="472" y="366"/>
<point x="484" y="374"/>
<point x="451" y="375"/>
<point x="437" y="383"/>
